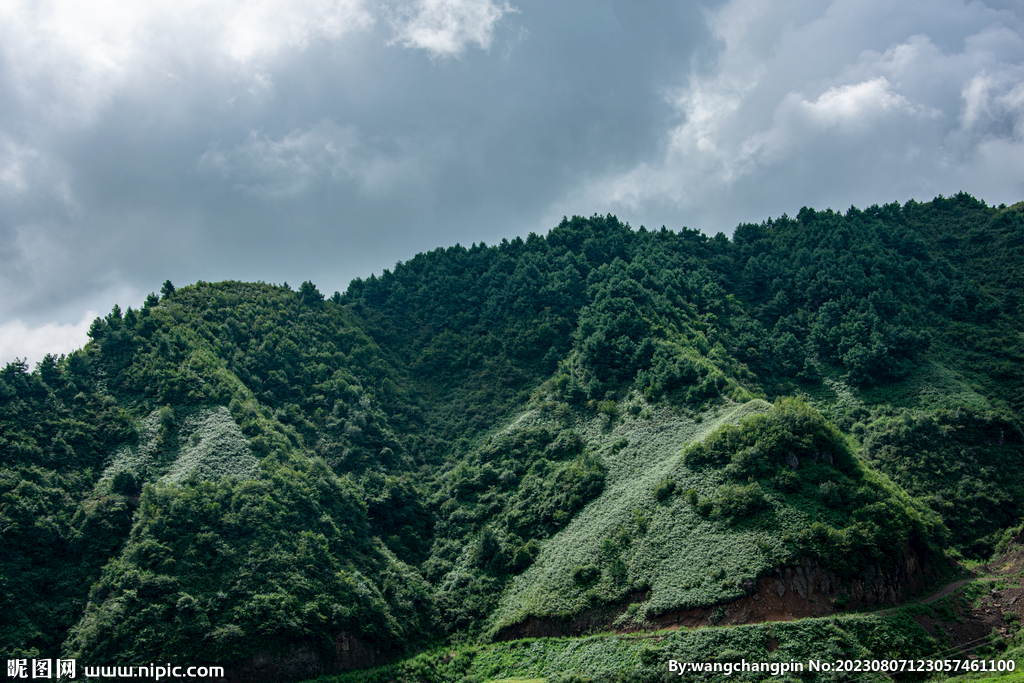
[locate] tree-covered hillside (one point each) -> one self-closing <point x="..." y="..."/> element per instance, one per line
<point x="537" y="429"/>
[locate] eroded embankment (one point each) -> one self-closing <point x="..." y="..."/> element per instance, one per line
<point x="804" y="590"/>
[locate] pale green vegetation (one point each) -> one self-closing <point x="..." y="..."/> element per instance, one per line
<point x="637" y="543"/>
<point x="173" y="445"/>
<point x="548" y="426"/>
<point x="612" y="658"/>
<point x="693" y="513"/>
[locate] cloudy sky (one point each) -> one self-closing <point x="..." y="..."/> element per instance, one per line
<point x="327" y="139"/>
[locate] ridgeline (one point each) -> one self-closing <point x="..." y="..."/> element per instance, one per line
<point x="600" y="428"/>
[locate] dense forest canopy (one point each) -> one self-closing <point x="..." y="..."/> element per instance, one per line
<point x="231" y="468"/>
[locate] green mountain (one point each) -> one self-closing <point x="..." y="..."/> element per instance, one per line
<point x="598" y="428"/>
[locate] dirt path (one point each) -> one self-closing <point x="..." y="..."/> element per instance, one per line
<point x="943" y="592"/>
<point x="1005" y="568"/>
<point x="950" y="588"/>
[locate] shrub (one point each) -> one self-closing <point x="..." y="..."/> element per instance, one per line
<point x="704" y="506"/>
<point x="524" y="556"/>
<point x="568" y="443"/>
<point x="125" y="483"/>
<point x="609" y="409"/>
<point x="830" y="493"/>
<point x="787" y="480"/>
<point x="640" y="521"/>
<point x="664" y="490"/>
<point x="487" y="549"/>
<point x="586" y="575"/>
<point x="748" y="462"/>
<point x="166" y="417"/>
<point x="735" y="502"/>
<point x="650" y="654"/>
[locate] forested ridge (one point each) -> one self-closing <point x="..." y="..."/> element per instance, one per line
<point x="485" y="434"/>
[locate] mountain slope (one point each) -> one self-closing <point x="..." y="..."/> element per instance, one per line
<point x="489" y="434"/>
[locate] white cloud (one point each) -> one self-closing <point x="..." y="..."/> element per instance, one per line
<point x="19" y="340"/>
<point x="994" y="104"/>
<point x="69" y="58"/>
<point x="861" y="99"/>
<point x="857" y="104"/>
<point x="446" y="27"/>
<point x="255" y="30"/>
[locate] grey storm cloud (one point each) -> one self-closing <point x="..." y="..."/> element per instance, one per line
<point x="853" y="102"/>
<point x="327" y="139"/>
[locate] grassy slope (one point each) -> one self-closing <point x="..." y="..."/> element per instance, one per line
<point x="206" y="441"/>
<point x="744" y="512"/>
<point x="672" y="557"/>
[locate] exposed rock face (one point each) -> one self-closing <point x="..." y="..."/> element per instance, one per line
<point x="810" y="590"/>
<point x="804" y="590"/>
<point x="303" y="661"/>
